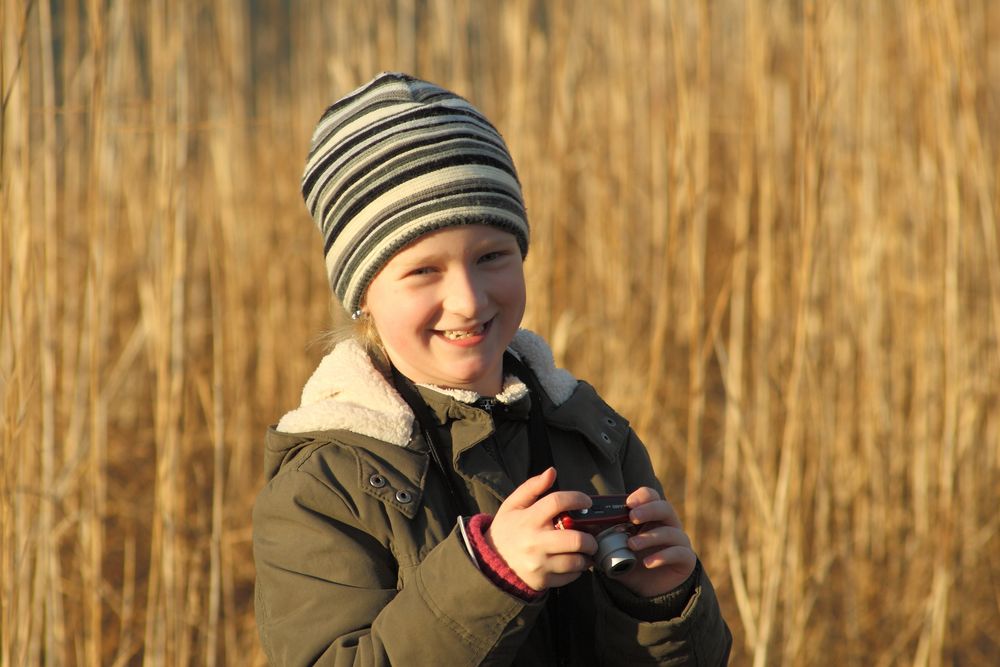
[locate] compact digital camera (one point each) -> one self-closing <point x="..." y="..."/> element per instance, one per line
<point x="607" y="520"/>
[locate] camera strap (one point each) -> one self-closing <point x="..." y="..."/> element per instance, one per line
<point x="540" y="451"/>
<point x="540" y="460"/>
<point x="425" y="421"/>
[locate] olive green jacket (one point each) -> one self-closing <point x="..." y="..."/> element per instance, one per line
<point x="360" y="559"/>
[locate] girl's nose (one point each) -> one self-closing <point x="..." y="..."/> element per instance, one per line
<point x="465" y="293"/>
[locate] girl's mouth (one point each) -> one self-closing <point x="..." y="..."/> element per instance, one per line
<point x="464" y="334"/>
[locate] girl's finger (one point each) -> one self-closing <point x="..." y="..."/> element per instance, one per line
<point x="675" y="557"/>
<point x="658" y="537"/>
<point x="568" y="563"/>
<point x="641" y="496"/>
<point x="566" y="542"/>
<point x="557" y="502"/>
<point x="530" y="491"/>
<point x="659" y="510"/>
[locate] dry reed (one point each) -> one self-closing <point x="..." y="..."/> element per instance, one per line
<point x="767" y="231"/>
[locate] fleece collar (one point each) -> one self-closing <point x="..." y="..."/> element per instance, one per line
<point x="346" y="392"/>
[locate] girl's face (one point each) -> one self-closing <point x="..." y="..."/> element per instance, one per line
<point x="448" y="304"/>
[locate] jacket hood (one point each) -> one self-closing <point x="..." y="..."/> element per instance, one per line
<point x="347" y="392"/>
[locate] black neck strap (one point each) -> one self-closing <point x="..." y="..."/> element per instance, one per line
<point x="540" y="452"/>
<point x="425" y="420"/>
<point x="539" y="460"/>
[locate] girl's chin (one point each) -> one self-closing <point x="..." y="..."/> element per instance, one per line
<point x="483" y="379"/>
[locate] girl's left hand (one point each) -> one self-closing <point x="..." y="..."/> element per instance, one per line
<point x="663" y="549"/>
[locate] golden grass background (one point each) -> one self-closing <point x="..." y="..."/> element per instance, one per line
<point x="767" y="231"/>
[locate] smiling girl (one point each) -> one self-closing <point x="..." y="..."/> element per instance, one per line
<point x="409" y="517"/>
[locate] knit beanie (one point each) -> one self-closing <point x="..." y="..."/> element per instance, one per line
<point x="396" y="159"/>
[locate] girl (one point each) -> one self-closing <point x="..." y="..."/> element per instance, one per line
<point x="409" y="514"/>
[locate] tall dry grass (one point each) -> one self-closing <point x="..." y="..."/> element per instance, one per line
<point x="766" y="230"/>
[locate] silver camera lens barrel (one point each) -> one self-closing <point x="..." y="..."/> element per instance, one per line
<point x="613" y="557"/>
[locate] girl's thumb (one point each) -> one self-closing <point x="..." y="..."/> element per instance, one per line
<point x="531" y="489"/>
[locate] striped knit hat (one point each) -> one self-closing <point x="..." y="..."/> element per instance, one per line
<point x="396" y="159"/>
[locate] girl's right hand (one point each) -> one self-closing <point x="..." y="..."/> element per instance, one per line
<point x="523" y="533"/>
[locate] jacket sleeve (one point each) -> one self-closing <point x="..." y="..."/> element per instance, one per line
<point x="327" y="590"/>
<point x="683" y="627"/>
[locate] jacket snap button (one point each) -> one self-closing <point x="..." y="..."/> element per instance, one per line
<point x="609" y="421"/>
<point x="605" y="438"/>
<point x="403" y="496"/>
<point x="377" y="480"/>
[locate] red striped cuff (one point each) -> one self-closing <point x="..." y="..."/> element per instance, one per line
<point x="493" y="565"/>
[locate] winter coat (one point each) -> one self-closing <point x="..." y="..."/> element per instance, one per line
<point x="360" y="559"/>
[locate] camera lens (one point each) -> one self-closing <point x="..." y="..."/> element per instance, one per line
<point x="613" y="555"/>
<point x="621" y="565"/>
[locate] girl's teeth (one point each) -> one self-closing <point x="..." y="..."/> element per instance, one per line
<point x="458" y="335"/>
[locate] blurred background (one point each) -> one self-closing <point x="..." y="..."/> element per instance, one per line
<point x="766" y="231"/>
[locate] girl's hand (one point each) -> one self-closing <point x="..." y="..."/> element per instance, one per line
<point x="524" y="534"/>
<point x="663" y="549"/>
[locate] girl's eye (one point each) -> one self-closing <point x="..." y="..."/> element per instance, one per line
<point x="491" y="256"/>
<point x="421" y="271"/>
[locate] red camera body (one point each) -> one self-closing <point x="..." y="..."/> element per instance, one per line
<point x="607" y="520"/>
<point x="606" y="511"/>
